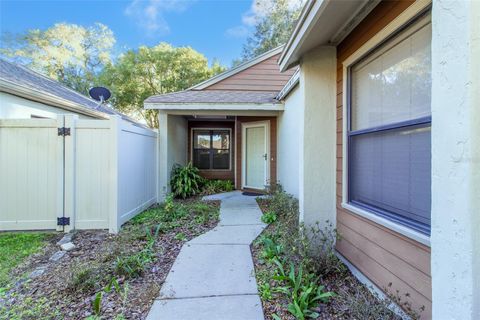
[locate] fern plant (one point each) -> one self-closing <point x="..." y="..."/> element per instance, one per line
<point x="185" y="181"/>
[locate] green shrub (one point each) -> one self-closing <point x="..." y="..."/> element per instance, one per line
<point x="185" y="181"/>
<point x="217" y="186"/>
<point x="270" y="248"/>
<point x="132" y="266"/>
<point x="269" y="217"/>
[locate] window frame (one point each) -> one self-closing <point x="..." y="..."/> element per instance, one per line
<point x="415" y="13"/>
<point x="192" y="144"/>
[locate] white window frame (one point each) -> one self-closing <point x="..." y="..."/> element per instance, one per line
<point x="229" y="147"/>
<point x="409" y="14"/>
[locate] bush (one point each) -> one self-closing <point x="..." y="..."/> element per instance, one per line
<point x="269" y="217"/>
<point x="185" y="181"/>
<point x="217" y="186"/>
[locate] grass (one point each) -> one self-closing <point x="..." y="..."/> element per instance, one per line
<point x="15" y="247"/>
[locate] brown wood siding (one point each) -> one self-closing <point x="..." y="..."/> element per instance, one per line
<point x="273" y="147"/>
<point x="264" y="76"/>
<point x="214" y="174"/>
<point x="381" y="254"/>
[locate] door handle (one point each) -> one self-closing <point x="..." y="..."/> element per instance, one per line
<point x="265" y="156"/>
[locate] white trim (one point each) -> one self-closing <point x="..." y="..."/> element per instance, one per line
<point x="216" y="106"/>
<point x="289" y="86"/>
<point x="230" y="165"/>
<point x="237" y="69"/>
<point x="266" y="125"/>
<point x="406" y="231"/>
<point x="50" y="99"/>
<point x="395" y="25"/>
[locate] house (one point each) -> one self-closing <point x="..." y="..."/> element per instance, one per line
<point x="226" y="126"/>
<point x="66" y="161"/>
<point x="376" y="127"/>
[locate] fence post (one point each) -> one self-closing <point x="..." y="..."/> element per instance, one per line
<point x="115" y="130"/>
<point x="70" y="171"/>
<point x="60" y="172"/>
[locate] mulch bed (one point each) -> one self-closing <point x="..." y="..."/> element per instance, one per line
<point x="96" y="247"/>
<point x="352" y="297"/>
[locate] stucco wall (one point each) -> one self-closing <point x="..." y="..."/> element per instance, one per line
<point x="172" y="148"/>
<point x="455" y="237"/>
<point x="13" y="107"/>
<point x="317" y="136"/>
<point x="288" y="152"/>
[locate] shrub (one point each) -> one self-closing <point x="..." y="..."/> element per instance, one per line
<point x="217" y="186"/>
<point x="185" y="181"/>
<point x="269" y="217"/>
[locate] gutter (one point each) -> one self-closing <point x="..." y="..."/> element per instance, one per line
<point x="292" y="83"/>
<point x="47" y="98"/>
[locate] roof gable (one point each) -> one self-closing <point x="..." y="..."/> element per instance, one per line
<point x="259" y="74"/>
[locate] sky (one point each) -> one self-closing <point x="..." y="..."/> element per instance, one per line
<point x="216" y="28"/>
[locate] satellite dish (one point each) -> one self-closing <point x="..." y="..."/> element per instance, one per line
<point x="99" y="93"/>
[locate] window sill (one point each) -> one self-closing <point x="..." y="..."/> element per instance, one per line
<point x="405" y="231"/>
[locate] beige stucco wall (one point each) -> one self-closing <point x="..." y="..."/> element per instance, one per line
<point x="317" y="136"/>
<point x="455" y="237"/>
<point x="288" y="142"/>
<point x="172" y="148"/>
<point x="14" y="107"/>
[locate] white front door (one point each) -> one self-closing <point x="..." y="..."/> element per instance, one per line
<point x="255" y="155"/>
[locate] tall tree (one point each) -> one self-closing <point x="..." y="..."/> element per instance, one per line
<point x="273" y="26"/>
<point x="148" y="71"/>
<point x="68" y="53"/>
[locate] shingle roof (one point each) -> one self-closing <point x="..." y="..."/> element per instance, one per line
<point x="27" y="78"/>
<point x="215" y="96"/>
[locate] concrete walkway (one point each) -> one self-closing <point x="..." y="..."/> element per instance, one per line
<point x="213" y="277"/>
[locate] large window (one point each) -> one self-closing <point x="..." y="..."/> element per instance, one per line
<point x="389" y="123"/>
<point x="211" y="149"/>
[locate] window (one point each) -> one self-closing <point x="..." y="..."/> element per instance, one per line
<point x="389" y="147"/>
<point x="211" y="149"/>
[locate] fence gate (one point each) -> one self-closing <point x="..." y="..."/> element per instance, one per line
<point x="32" y="173"/>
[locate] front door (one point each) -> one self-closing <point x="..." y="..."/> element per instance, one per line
<point x="255" y="155"/>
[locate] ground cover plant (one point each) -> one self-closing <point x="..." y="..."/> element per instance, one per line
<point x="107" y="276"/>
<point x="15" y="247"/>
<point x="298" y="274"/>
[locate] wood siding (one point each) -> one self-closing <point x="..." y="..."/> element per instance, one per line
<point x="381" y="254"/>
<point x="264" y="76"/>
<point x="273" y="147"/>
<point x="215" y="174"/>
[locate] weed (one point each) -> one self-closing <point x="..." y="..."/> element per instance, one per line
<point x="217" y="186"/>
<point x="269" y="217"/>
<point x="84" y="278"/>
<point x="270" y="248"/>
<point x="180" y="236"/>
<point x="265" y="291"/>
<point x="29" y="309"/>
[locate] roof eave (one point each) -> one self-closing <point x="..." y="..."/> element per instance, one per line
<point x="216" y="106"/>
<point x="49" y="99"/>
<point x="289" y="86"/>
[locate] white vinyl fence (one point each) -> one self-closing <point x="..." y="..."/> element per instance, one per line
<point x="97" y="176"/>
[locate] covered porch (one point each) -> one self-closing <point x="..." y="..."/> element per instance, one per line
<point x="235" y="145"/>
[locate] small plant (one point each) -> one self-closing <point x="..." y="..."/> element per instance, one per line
<point x="217" y="186"/>
<point x="269" y="217"/>
<point x="270" y="248"/>
<point x="84" y="278"/>
<point x="180" y="236"/>
<point x="265" y="291"/>
<point x="169" y="205"/>
<point x="185" y="181"/>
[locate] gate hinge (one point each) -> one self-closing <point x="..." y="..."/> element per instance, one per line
<point x="63" y="221"/>
<point x="63" y="131"/>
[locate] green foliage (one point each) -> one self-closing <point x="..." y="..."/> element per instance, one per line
<point x="69" y="53"/>
<point x="270" y="249"/>
<point x="147" y="71"/>
<point x="217" y="186"/>
<point x="15" y="247"/>
<point x="269" y="217"/>
<point x="180" y="236"/>
<point x="265" y="291"/>
<point x="30" y="309"/>
<point x="85" y="278"/>
<point x="274" y="28"/>
<point x="185" y="181"/>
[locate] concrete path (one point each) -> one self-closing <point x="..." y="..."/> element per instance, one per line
<point x="213" y="277"/>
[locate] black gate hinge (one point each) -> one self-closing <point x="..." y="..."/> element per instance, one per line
<point x="63" y="131"/>
<point x="63" y="221"/>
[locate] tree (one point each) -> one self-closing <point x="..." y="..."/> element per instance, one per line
<point x="68" y="53"/>
<point x="273" y="27"/>
<point x="149" y="71"/>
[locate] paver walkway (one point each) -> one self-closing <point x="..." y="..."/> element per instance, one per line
<point x="213" y="277"/>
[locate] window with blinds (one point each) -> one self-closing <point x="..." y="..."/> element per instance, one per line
<point x="389" y="147"/>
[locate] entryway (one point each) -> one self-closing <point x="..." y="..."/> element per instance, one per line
<point x="255" y="155"/>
